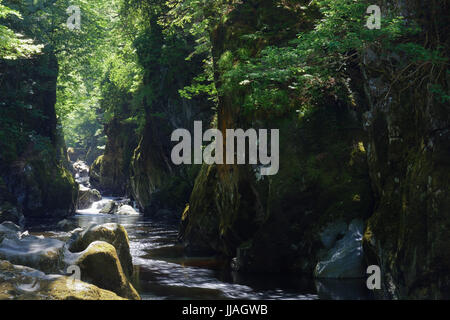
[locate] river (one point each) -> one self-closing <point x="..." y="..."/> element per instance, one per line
<point x="166" y="273"/>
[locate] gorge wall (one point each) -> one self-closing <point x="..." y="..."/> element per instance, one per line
<point x="407" y="126"/>
<point x="382" y="161"/>
<point x="34" y="178"/>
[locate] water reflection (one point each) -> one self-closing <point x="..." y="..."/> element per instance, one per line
<point x="166" y="273"/>
<point x="343" y="289"/>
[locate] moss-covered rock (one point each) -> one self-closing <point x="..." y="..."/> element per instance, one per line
<point x="100" y="265"/>
<point x="111" y="233"/>
<point x="23" y="283"/>
<point x="407" y="124"/>
<point x="33" y="167"/>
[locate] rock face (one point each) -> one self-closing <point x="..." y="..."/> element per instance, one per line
<point x="273" y="223"/>
<point x="33" y="168"/>
<point x="156" y="184"/>
<point x="24" y="283"/>
<point x="110" y="172"/>
<point x="382" y="159"/>
<point x="407" y="152"/>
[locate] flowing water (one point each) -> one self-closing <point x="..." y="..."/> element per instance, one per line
<point x="166" y="273"/>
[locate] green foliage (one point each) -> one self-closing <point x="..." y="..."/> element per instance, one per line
<point x="294" y="77"/>
<point x="13" y="45"/>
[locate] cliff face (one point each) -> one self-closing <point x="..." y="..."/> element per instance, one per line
<point x="382" y="162"/>
<point x="33" y="175"/>
<point x="110" y="171"/>
<point x="408" y="157"/>
<point x="160" y="188"/>
<point x="273" y="223"/>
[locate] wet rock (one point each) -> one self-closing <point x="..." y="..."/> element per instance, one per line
<point x="100" y="265"/>
<point x="111" y="233"/>
<point x="9" y="230"/>
<point x="127" y="210"/>
<point x="332" y="232"/>
<point x="9" y="212"/>
<point x="11" y="225"/>
<point x="345" y="258"/>
<point x="24" y="283"/>
<point x="109" y="208"/>
<point x="32" y="251"/>
<point x="81" y="170"/>
<point x="86" y="197"/>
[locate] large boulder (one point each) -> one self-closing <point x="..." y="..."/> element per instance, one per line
<point x="109" y="208"/>
<point x="127" y="210"/>
<point x="344" y="258"/>
<point x="100" y="265"/>
<point x="86" y="197"/>
<point x="24" y="283"/>
<point x="111" y="233"/>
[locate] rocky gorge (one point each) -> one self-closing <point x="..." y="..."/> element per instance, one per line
<point x="363" y="117"/>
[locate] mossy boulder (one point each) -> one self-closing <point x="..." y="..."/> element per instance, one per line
<point x="100" y="265"/>
<point x="111" y="233"/>
<point x="24" y="283"/>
